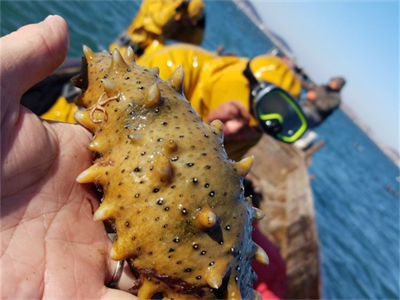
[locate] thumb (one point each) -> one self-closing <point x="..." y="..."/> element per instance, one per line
<point x="29" y="55"/>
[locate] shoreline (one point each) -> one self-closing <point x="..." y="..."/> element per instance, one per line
<point x="391" y="154"/>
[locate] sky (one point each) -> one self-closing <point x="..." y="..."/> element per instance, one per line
<point x="356" y="39"/>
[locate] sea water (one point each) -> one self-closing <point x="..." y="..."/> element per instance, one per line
<point x="357" y="218"/>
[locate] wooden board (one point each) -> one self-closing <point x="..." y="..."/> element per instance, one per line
<point x="280" y="176"/>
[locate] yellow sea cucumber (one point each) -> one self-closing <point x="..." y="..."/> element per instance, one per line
<point x="175" y="198"/>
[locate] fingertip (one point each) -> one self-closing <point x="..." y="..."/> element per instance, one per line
<point x="33" y="52"/>
<point x="59" y="31"/>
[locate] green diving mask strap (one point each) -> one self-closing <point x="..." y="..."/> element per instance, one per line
<point x="277" y="113"/>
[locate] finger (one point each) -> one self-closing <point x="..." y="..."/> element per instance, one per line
<point x="232" y="127"/>
<point x="225" y="112"/>
<point x="117" y="294"/>
<point x="30" y="54"/>
<point x="242" y="113"/>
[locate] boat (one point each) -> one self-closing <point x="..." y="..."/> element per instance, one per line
<point x="280" y="177"/>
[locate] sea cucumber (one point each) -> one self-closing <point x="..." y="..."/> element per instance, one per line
<point x="176" y="200"/>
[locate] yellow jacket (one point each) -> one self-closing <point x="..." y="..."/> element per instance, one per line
<point x="211" y="80"/>
<point x="159" y="20"/>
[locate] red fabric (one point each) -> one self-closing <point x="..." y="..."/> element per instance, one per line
<point x="272" y="281"/>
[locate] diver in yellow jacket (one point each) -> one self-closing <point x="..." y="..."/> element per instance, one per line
<point x="161" y="20"/>
<point x="218" y="88"/>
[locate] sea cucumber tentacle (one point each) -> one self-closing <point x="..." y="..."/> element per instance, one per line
<point x="176" y="200"/>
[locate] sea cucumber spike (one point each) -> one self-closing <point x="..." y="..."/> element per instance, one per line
<point x="89" y="54"/>
<point x="206" y="218"/>
<point x="163" y="170"/>
<point x="117" y="61"/>
<point x="78" y="82"/>
<point x="261" y="256"/>
<point x="259" y="213"/>
<point x="103" y="213"/>
<point x="176" y="80"/>
<point x="83" y="118"/>
<point x="233" y="290"/>
<point x="213" y="278"/>
<point x="155" y="70"/>
<point x="130" y="55"/>
<point x="109" y="86"/>
<point x="219" y="126"/>
<point x="153" y="97"/>
<point x="114" y="252"/>
<point x="257" y="296"/>
<point x="95" y="146"/>
<point x="243" y="167"/>
<point x="172" y="146"/>
<point x="89" y="175"/>
<point x="147" y="289"/>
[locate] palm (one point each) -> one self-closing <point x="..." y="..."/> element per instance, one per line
<point x="50" y="245"/>
<point x="47" y="223"/>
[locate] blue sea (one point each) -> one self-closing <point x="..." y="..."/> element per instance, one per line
<point x="357" y="218"/>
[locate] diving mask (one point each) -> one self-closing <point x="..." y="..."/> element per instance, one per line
<point x="277" y="112"/>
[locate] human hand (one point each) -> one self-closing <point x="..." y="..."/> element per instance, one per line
<point x="50" y="245"/>
<point x="236" y="120"/>
<point x="311" y="95"/>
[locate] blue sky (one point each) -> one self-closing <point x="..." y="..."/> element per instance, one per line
<point x="356" y="39"/>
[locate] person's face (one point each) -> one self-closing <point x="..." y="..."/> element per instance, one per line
<point x="333" y="84"/>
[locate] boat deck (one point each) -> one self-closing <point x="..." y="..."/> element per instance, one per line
<point x="280" y="177"/>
